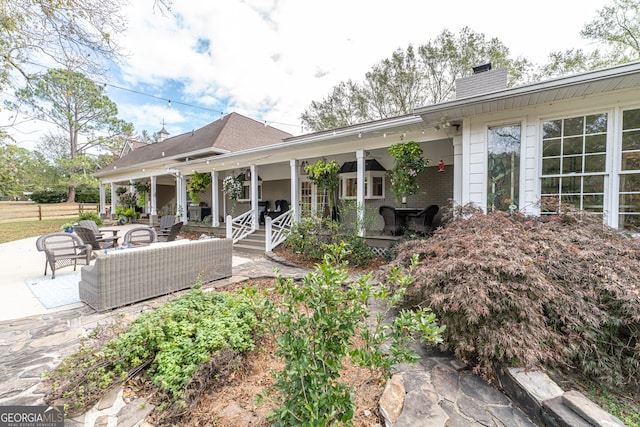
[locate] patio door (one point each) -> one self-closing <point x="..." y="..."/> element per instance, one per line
<point x="312" y="201"/>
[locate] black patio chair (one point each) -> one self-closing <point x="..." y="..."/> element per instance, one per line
<point x="422" y="222"/>
<point x="393" y="223"/>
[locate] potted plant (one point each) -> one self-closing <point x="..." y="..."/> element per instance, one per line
<point x="198" y="182"/>
<point x="325" y="176"/>
<point x="67" y="226"/>
<point x="408" y="164"/>
<point x="127" y="211"/>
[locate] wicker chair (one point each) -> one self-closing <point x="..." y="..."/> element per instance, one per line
<point x="62" y="250"/>
<point x="139" y="236"/>
<point x="100" y="234"/>
<point x="393" y="223"/>
<point x="88" y="237"/>
<point x="422" y="222"/>
<point x="171" y="235"/>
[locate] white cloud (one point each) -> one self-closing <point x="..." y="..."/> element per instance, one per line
<point x="268" y="59"/>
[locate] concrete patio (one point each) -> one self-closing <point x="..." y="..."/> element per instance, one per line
<point x="20" y="260"/>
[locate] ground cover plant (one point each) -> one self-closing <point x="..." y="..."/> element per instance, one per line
<point x="560" y="291"/>
<point x="200" y="331"/>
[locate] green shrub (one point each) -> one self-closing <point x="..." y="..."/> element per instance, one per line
<point x="318" y="320"/>
<point x="170" y="342"/>
<point x="557" y="290"/>
<point x="87" y="194"/>
<point x="91" y="216"/>
<point x="312" y="235"/>
<point x="49" y="196"/>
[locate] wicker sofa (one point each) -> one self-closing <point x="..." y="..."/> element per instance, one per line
<point x="123" y="277"/>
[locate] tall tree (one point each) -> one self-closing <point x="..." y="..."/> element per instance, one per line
<point x="80" y="109"/>
<point x="73" y="33"/>
<point x="411" y="78"/>
<point x="616" y="31"/>
<point x="8" y="167"/>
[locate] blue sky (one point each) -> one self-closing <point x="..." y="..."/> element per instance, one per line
<point x="269" y="59"/>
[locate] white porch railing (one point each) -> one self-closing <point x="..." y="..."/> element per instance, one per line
<point x="277" y="230"/>
<point x="239" y="227"/>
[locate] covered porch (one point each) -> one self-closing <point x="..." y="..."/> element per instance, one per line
<point x="274" y="177"/>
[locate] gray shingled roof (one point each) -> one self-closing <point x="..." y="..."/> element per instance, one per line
<point x="234" y="132"/>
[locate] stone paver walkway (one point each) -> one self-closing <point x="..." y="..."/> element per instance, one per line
<point x="436" y="392"/>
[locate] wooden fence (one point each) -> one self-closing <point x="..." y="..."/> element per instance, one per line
<point x="33" y="211"/>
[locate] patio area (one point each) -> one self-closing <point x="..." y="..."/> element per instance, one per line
<point x="20" y="260"/>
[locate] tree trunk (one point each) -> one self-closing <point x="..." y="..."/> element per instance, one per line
<point x="71" y="194"/>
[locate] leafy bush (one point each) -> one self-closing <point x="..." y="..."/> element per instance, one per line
<point x="312" y="235"/>
<point x="87" y="194"/>
<point x="91" y="216"/>
<point x="558" y="290"/>
<point x="49" y="196"/>
<point x="318" y="320"/>
<point x="171" y="343"/>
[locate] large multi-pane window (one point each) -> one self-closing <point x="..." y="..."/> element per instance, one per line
<point x="503" y="168"/>
<point x="629" y="203"/>
<point x="574" y="162"/>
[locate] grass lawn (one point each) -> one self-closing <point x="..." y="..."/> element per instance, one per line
<point x="16" y="230"/>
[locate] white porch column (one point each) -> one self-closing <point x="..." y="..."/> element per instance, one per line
<point x="254" y="197"/>
<point x="295" y="189"/>
<point x="215" y="202"/>
<point x="457" y="170"/>
<point x="360" y="163"/>
<point x="114" y="200"/>
<point x="181" y="198"/>
<point x="154" y="194"/>
<point x="153" y="216"/>
<point x="103" y="199"/>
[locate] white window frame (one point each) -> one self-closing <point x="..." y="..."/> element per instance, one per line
<point x="618" y="167"/>
<point x="247" y="185"/>
<point x="368" y="176"/>
<point x="611" y="116"/>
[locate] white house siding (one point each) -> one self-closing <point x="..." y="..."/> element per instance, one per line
<point x="477" y="164"/>
<point x="530" y="169"/>
<point x="474" y="179"/>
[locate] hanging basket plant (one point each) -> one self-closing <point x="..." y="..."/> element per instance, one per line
<point x="197" y="184"/>
<point x="408" y="164"/>
<point x="232" y="187"/>
<point x="325" y="176"/>
<point x="142" y="189"/>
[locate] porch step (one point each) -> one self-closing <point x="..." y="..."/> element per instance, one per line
<point x="253" y="243"/>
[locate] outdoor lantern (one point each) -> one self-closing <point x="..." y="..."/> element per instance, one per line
<point x="440" y="166"/>
<point x="303" y="165"/>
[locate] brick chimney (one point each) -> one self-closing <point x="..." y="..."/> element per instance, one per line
<point x="483" y="80"/>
